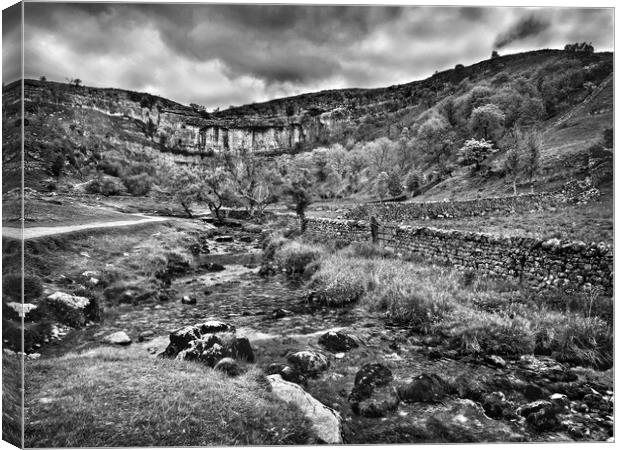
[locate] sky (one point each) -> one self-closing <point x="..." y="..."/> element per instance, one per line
<point x="221" y="55"/>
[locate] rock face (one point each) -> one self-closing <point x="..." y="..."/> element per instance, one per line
<point x="208" y="342"/>
<point x="118" y="338"/>
<point x="335" y="341"/>
<point x="326" y="423"/>
<point x="308" y="362"/>
<point x="68" y="309"/>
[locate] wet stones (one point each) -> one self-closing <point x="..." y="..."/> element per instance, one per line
<point x="223" y="238"/>
<point x="213" y="267"/>
<point x="424" y="388"/>
<point x="496" y="406"/>
<point x="541" y="414"/>
<point x="208" y="342"/>
<point x="308" y="362"/>
<point x="336" y="341"/>
<point x="368" y="378"/>
<point x="544" y="367"/>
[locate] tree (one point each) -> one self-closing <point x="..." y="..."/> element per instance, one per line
<point x="413" y="181"/>
<point x="494" y="54"/>
<point x="58" y="164"/>
<point x="531" y="145"/>
<point x="74" y="81"/>
<point x="435" y="137"/>
<point x="247" y="174"/>
<point x="299" y="190"/>
<point x="474" y="152"/>
<point x="43" y="78"/>
<point x="512" y="165"/>
<point x="215" y="186"/>
<point x="380" y="153"/>
<point x="487" y="121"/>
<point x="381" y="185"/>
<point x="394" y="185"/>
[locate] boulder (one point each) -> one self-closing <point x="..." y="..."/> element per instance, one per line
<point x="68" y="309"/>
<point x="308" y="362"/>
<point x="368" y="378"/>
<point x="541" y="415"/>
<point x="533" y="392"/>
<point x="189" y="300"/>
<point x="326" y="423"/>
<point x="545" y="367"/>
<point x="223" y="239"/>
<point x="287" y="373"/>
<point x="214" y="326"/>
<point x="335" y="341"/>
<point x="118" y="338"/>
<point x="180" y="339"/>
<point x="381" y="402"/>
<point x="21" y="309"/>
<point x="496" y="406"/>
<point x="229" y="366"/>
<point x="424" y="388"/>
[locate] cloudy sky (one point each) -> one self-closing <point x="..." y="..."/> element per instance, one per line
<point x="218" y="55"/>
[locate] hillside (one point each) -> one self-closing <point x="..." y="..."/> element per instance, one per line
<point x="78" y="131"/>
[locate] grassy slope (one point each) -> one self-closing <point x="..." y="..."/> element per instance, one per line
<point x="11" y="400"/>
<point x="116" y="397"/>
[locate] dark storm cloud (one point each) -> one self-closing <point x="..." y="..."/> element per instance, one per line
<point x="11" y="49"/>
<point x="231" y="54"/>
<point x="525" y="27"/>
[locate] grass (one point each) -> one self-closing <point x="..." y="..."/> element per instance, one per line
<point x="110" y="397"/>
<point x="11" y="400"/>
<point x="473" y="315"/>
<point x="294" y="256"/>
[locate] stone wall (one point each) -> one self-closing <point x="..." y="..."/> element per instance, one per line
<point x="572" y="192"/>
<point x="537" y="263"/>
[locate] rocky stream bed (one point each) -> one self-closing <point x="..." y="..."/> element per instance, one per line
<point x="381" y="382"/>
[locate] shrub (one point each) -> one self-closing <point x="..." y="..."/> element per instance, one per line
<point x="294" y="256"/>
<point x="271" y="243"/>
<point x="12" y="286"/>
<point x="138" y="185"/>
<point x="113" y="169"/>
<point x="110" y="187"/>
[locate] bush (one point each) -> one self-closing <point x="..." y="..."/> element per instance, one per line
<point x="110" y="187"/>
<point x="295" y="256"/>
<point x="271" y="243"/>
<point x="12" y="286"/>
<point x="114" y="169"/>
<point x="138" y="185"/>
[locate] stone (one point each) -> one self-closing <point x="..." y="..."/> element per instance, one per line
<point x="369" y="377"/>
<point x="279" y="313"/>
<point x="545" y="367"/>
<point x="213" y="267"/>
<point x="33" y="356"/>
<point x="180" y="339"/>
<point x="287" y="373"/>
<point x="381" y="402"/>
<point x="326" y="423"/>
<point x="308" y="362"/>
<point x="214" y="326"/>
<point x="22" y="309"/>
<point x="496" y="406"/>
<point x="229" y="366"/>
<point x="426" y="388"/>
<point x="240" y="348"/>
<point x="145" y="335"/>
<point x="533" y="392"/>
<point x="68" y="309"/>
<point x="188" y="300"/>
<point x="495" y="361"/>
<point x="336" y="341"/>
<point x="118" y="338"/>
<point x="223" y="239"/>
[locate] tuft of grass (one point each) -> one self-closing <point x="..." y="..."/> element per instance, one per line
<point x="295" y="256"/>
<point x="340" y="280"/>
<point x="108" y="397"/>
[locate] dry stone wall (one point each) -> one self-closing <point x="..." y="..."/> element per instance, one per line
<point x="537" y="263"/>
<point x="573" y="192"/>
